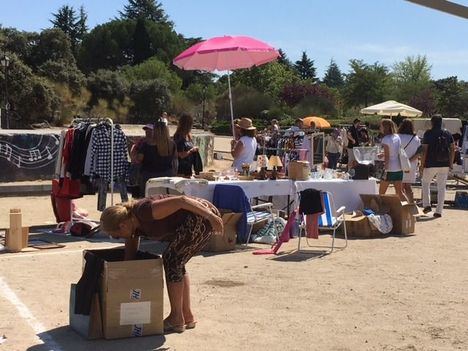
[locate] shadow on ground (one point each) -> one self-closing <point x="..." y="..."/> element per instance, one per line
<point x="68" y="340"/>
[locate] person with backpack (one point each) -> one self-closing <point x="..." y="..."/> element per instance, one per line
<point x="437" y="160"/>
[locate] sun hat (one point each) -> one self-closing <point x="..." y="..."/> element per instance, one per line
<point x="149" y="126"/>
<point x="246" y="123"/>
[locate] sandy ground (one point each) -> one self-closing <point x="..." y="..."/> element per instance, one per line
<point x="394" y="293"/>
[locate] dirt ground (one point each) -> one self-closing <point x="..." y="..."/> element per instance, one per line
<point x="393" y="293"/>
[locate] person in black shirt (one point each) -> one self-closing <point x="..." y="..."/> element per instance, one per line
<point x="353" y="140"/>
<point x="158" y="156"/>
<point x="437" y="159"/>
<point x="185" y="148"/>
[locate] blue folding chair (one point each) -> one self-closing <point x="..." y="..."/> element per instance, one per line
<point x="330" y="220"/>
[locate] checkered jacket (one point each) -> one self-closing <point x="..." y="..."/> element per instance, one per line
<point x="101" y="153"/>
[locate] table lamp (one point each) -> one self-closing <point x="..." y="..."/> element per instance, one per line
<point x="275" y="162"/>
<point x="262" y="162"/>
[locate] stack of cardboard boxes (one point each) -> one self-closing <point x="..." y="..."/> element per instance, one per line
<point x="402" y="214"/>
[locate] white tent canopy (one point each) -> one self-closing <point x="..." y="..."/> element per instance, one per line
<point x="391" y="108"/>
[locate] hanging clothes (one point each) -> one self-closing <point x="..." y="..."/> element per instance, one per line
<point x="101" y="153"/>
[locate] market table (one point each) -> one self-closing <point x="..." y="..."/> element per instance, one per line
<point x="344" y="192"/>
<point x="252" y="188"/>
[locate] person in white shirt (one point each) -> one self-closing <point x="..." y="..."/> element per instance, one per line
<point x="412" y="145"/>
<point x="243" y="150"/>
<point x="391" y="145"/>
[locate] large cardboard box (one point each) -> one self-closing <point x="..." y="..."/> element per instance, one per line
<point x="227" y="241"/>
<point x="358" y="226"/>
<point x="130" y="296"/>
<point x="402" y="213"/>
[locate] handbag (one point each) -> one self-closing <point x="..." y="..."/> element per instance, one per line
<point x="404" y="159"/>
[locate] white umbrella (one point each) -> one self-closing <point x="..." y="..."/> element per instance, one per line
<point x="391" y="108"/>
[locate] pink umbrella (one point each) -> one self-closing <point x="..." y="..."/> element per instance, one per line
<point x="225" y="54"/>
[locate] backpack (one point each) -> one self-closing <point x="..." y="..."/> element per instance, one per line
<point x="442" y="147"/>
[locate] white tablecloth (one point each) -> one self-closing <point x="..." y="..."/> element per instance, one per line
<point x="253" y="188"/>
<point x="344" y="192"/>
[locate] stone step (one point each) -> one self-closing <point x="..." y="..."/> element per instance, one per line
<point x="25" y="188"/>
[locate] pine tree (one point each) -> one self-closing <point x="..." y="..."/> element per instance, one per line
<point x="65" y="19"/>
<point x="333" y="77"/>
<point x="71" y="24"/>
<point x="284" y="60"/>
<point x="81" y="26"/>
<point x="305" y="68"/>
<point x="148" y="9"/>
<point x="141" y="42"/>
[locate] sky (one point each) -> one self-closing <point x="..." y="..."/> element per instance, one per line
<point x="372" y="30"/>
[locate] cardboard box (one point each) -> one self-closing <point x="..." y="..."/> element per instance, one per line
<point x="130" y="297"/>
<point x="402" y="213"/>
<point x="227" y="241"/>
<point x="358" y="226"/>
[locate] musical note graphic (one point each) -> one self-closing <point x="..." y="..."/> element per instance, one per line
<point x="17" y="162"/>
<point x="34" y="155"/>
<point x="49" y="155"/>
<point x="6" y="150"/>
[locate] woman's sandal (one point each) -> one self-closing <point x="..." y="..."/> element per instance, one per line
<point x="169" y="328"/>
<point x="191" y="325"/>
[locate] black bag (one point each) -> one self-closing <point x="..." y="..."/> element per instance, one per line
<point x="442" y="147"/>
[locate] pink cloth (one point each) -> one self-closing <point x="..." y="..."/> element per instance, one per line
<point x="311" y="225"/>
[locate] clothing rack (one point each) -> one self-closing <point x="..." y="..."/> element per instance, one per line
<point x="111" y="123"/>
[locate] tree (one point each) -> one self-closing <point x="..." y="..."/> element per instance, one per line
<point x="424" y="101"/>
<point x="366" y="84"/>
<point x="313" y="97"/>
<point x="63" y="72"/>
<point x="19" y="42"/>
<point x="333" y="77"/>
<point x="111" y="45"/>
<point x="31" y="98"/>
<point x="107" y="85"/>
<point x="284" y="60"/>
<point x="451" y="97"/>
<point x="147" y="9"/>
<point x="153" y="69"/>
<point x="107" y="46"/>
<point x="411" y="76"/>
<point x="71" y="24"/>
<point x="81" y="25"/>
<point x="65" y="19"/>
<point x="269" y="78"/>
<point x="52" y="44"/>
<point x="150" y="99"/>
<point x="141" y="43"/>
<point x="305" y="68"/>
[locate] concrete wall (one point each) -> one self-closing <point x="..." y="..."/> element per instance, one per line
<point x="31" y="154"/>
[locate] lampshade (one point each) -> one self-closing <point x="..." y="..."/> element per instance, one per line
<point x="262" y="161"/>
<point x="275" y="161"/>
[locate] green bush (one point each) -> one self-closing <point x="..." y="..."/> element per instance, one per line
<point x="221" y="128"/>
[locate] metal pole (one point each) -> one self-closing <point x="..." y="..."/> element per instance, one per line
<point x="230" y="104"/>
<point x="203" y="108"/>
<point x="7" y="104"/>
<point x="112" y="162"/>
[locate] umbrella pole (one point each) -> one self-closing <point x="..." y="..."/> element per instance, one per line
<point x="230" y="104"/>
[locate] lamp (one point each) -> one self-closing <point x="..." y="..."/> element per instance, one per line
<point x="262" y="162"/>
<point x="275" y="161"/>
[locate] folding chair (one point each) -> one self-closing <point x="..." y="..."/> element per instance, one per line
<point x="330" y="220"/>
<point x="232" y="197"/>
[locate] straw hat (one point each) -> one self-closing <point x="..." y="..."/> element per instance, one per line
<point x="246" y="123"/>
